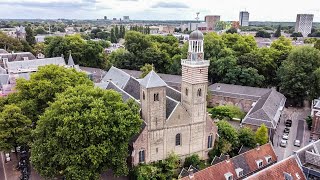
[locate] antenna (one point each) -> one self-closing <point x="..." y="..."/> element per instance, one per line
<point x="197" y="18"/>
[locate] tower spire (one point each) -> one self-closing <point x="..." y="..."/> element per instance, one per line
<point x="70" y="60"/>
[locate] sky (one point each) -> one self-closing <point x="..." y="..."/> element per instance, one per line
<point x="267" y="10"/>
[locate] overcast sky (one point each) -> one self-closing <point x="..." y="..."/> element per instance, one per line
<point x="267" y="10"/>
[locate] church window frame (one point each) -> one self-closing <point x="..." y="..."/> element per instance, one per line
<point x="142" y="156"/>
<point x="156" y="96"/>
<point x="178" y="139"/>
<point x="210" y="141"/>
<point x="199" y="92"/>
<point x="187" y="91"/>
<point x="143" y="95"/>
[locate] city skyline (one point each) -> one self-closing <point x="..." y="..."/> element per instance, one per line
<point x="282" y="11"/>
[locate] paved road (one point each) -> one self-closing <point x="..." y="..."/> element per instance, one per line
<point x="298" y="130"/>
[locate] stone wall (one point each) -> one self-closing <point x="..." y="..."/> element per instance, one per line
<point x="243" y="104"/>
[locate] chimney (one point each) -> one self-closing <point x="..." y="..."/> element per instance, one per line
<point x="228" y="158"/>
<point x="258" y="146"/>
<point x="191" y="176"/>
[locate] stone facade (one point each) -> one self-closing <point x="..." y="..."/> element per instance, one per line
<point x="188" y="129"/>
<point x="244" y="104"/>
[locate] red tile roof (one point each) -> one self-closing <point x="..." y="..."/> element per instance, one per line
<point x="278" y="170"/>
<point x="245" y="161"/>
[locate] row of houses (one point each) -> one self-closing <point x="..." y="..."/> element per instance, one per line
<point x="261" y="163"/>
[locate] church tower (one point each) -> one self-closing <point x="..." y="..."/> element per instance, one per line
<point x="195" y="79"/>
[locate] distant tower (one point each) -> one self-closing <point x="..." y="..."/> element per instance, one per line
<point x="304" y="24"/>
<point x="244" y="18"/>
<point x="195" y="78"/>
<point x="105" y="18"/>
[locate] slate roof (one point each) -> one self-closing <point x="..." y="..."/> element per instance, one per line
<point x="313" y="152"/>
<point x="117" y="76"/>
<point x="152" y="80"/>
<point x="2" y="51"/>
<point x="4" y="79"/>
<point x="170" y="106"/>
<point x="125" y="95"/>
<point x="245" y="161"/>
<point x="32" y="65"/>
<point x="2" y="71"/>
<point x="102" y="85"/>
<point x="288" y="167"/>
<point x="168" y="78"/>
<point x="173" y="93"/>
<point x="267" y="107"/>
<point x="70" y="60"/>
<point x="17" y="56"/>
<point x="267" y="110"/>
<point x="133" y="88"/>
<point x="237" y="91"/>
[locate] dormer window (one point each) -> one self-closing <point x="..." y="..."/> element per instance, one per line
<point x="268" y="159"/>
<point x="228" y="176"/>
<point x="259" y="163"/>
<point x="239" y="172"/>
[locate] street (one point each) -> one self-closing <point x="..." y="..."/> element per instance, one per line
<point x="298" y="131"/>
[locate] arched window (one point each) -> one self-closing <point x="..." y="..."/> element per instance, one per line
<point x="143" y="96"/>
<point x="187" y="91"/>
<point x="141" y="156"/>
<point x="156" y="96"/>
<point x="199" y="92"/>
<point x="178" y="139"/>
<point x="210" y="141"/>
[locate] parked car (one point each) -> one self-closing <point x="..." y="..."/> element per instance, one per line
<point x="285" y="136"/>
<point x="286" y="130"/>
<point x="283" y="143"/>
<point x="297" y="143"/>
<point x="288" y="123"/>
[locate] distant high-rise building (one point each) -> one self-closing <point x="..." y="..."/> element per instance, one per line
<point x="126" y="18"/>
<point x="211" y="21"/>
<point x="114" y="19"/>
<point x="105" y="18"/>
<point x="244" y="18"/>
<point x="304" y="24"/>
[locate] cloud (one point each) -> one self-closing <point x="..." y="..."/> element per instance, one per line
<point x="83" y="5"/>
<point x="129" y="0"/>
<point x="175" y="5"/>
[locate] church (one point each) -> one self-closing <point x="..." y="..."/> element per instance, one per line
<point x="174" y="122"/>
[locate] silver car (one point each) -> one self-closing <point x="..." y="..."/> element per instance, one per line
<point x="283" y="143"/>
<point x="297" y="143"/>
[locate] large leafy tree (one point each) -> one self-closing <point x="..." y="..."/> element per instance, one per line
<point x="296" y="73"/>
<point x="85" y="131"/>
<point x="226" y="112"/>
<point x="34" y="95"/>
<point x="15" y="128"/>
<point x="30" y="36"/>
<point x="247" y="137"/>
<point x="283" y="46"/>
<point x="261" y="135"/>
<point x="9" y="43"/>
<point x="228" y="140"/>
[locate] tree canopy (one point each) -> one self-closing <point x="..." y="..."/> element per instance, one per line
<point x="83" y="132"/>
<point x="226" y="112"/>
<point x="261" y="135"/>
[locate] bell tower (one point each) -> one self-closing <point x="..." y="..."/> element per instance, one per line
<point x="194" y="84"/>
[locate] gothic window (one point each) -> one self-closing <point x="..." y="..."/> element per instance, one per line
<point x="199" y="92"/>
<point x="178" y="139"/>
<point x="156" y="121"/>
<point x="187" y="91"/>
<point x="156" y="96"/>
<point x="143" y="96"/>
<point x="210" y="141"/>
<point x="141" y="156"/>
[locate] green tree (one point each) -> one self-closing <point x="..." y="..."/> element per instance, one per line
<point x="39" y="48"/>
<point x="261" y="135"/>
<point x="41" y="89"/>
<point x="296" y="34"/>
<point x="232" y="30"/>
<point x="113" y="37"/>
<point x="85" y="131"/>
<point x="146" y="69"/>
<point x="15" y="128"/>
<point x="146" y="172"/>
<point x="226" y="112"/>
<point x="263" y="34"/>
<point x="193" y="160"/>
<point x="29" y="36"/>
<point x="296" y="73"/>
<point x="9" y="43"/>
<point x="309" y="122"/>
<point x="227" y="133"/>
<point x="247" y="137"/>
<point x="116" y="32"/>
<point x="102" y="35"/>
<point x="317" y="44"/>
<point x="40" y="30"/>
<point x="278" y="32"/>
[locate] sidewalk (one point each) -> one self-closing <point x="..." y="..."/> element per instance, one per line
<point x="9" y="168"/>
